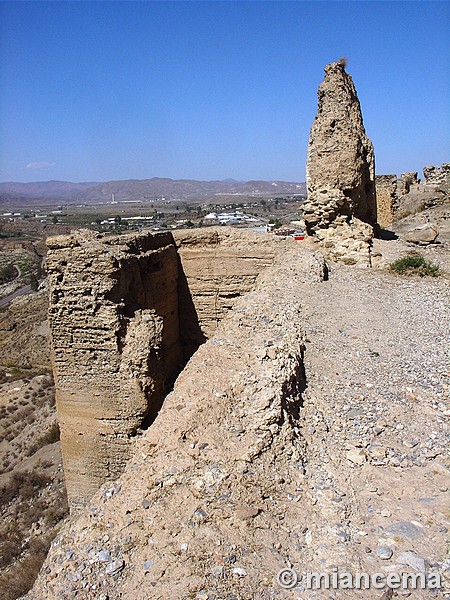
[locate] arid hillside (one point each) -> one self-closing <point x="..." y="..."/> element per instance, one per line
<point x="62" y="192"/>
<point x="32" y="492"/>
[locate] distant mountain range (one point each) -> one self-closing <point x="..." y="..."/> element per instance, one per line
<point x="63" y="192"/>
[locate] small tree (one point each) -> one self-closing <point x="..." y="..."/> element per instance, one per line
<point x="8" y="273"/>
<point x="414" y="264"/>
<point x="276" y="223"/>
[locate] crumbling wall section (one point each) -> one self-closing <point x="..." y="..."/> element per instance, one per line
<point x="206" y="473"/>
<point x="386" y="187"/>
<point x="398" y="198"/>
<point x="126" y="314"/>
<point x="115" y="336"/>
<point x="406" y="182"/>
<point x="340" y="172"/>
<point x="438" y="176"/>
<point x="220" y="265"/>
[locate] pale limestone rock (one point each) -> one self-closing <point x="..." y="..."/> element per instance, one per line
<point x="356" y="456"/>
<point x="422" y="235"/>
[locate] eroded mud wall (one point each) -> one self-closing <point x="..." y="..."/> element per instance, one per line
<point x="219" y="265"/>
<point x="126" y="314"/>
<point x="115" y="336"/>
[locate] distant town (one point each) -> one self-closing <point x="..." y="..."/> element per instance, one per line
<point x="30" y="212"/>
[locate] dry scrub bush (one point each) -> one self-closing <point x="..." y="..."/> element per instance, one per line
<point x="20" y="579"/>
<point x="26" y="411"/>
<point x="49" y="437"/>
<point x="23" y="483"/>
<point x="414" y="264"/>
<point x="26" y="499"/>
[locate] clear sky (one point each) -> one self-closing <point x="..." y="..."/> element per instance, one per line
<point x="95" y="91"/>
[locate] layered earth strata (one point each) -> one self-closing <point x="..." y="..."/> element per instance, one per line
<point x="126" y="314"/>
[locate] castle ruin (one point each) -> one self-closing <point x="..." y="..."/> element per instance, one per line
<point x="126" y="314"/>
<point x="340" y="172"/>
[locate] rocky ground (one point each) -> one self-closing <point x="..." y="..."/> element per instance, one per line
<point x="374" y="422"/>
<point x="317" y="441"/>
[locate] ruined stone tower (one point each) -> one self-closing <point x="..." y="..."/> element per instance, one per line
<point x="340" y="167"/>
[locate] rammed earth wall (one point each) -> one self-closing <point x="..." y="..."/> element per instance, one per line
<point x="224" y="439"/>
<point x="126" y="314"/>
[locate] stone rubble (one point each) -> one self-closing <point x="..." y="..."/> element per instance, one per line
<point x="418" y="211"/>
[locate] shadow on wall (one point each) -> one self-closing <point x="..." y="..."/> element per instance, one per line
<point x="384" y="234"/>
<point x="191" y="334"/>
<point x="159" y="326"/>
<point x="126" y="314"/>
<point x="292" y="393"/>
<point x="191" y="337"/>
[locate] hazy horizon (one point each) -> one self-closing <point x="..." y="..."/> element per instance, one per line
<point x="106" y="91"/>
<point x="224" y="180"/>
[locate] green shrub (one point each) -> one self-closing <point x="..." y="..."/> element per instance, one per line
<point x="414" y="264"/>
<point x="8" y="273"/>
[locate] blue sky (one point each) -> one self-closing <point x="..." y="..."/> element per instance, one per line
<point x="94" y="91"/>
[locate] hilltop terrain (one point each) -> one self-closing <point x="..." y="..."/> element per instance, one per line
<point x="236" y="409"/>
<point x="321" y="443"/>
<point x="352" y="337"/>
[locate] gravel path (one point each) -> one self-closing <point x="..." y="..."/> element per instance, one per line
<point x="374" y="421"/>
